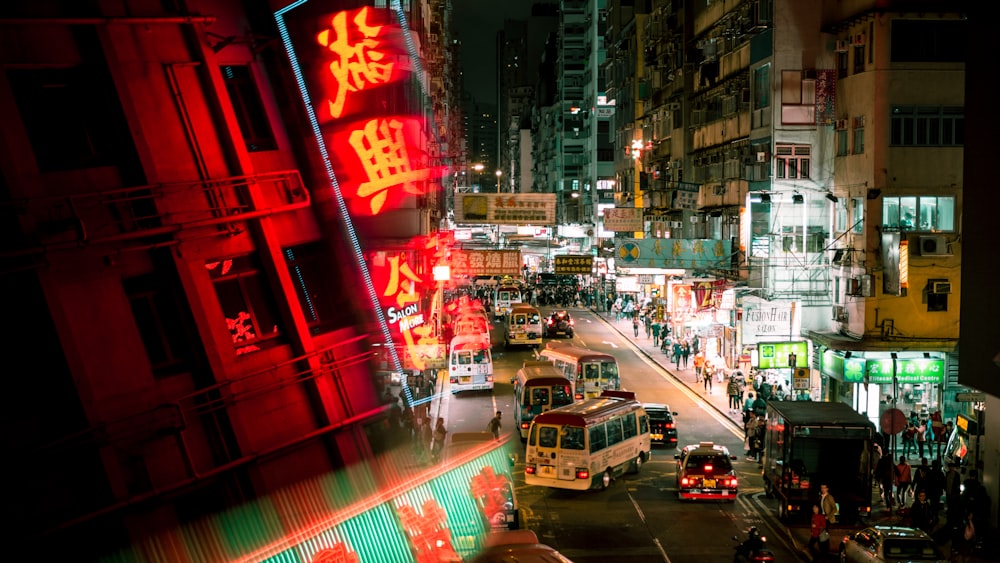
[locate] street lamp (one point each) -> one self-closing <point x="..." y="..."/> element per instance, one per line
<point x="478" y="167"/>
<point x="498" y="173"/>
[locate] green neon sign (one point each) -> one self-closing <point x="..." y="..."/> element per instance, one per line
<point x="774" y="355"/>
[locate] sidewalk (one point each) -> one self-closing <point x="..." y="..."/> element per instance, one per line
<point x="716" y="398"/>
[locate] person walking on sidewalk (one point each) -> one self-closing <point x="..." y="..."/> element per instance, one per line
<point x="707" y="380"/>
<point x="635" y="326"/>
<point x="922" y="513"/>
<point x="828" y="503"/>
<point x="699" y="365"/>
<point x="685" y="352"/>
<point x="655" y="329"/>
<point x="647" y="320"/>
<point x="747" y="408"/>
<point x="903" y="480"/>
<point x="733" y="390"/>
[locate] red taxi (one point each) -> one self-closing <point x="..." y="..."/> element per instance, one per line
<point x="705" y="471"/>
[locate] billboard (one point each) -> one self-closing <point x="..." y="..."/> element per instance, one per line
<point x="486" y="262"/>
<point x="574" y="264"/>
<point x="628" y="219"/>
<point x="505" y="209"/>
<point x="673" y="253"/>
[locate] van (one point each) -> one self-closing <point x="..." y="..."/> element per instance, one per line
<point x="524" y="326"/>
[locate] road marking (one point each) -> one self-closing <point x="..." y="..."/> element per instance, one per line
<point x="609" y="343"/>
<point x="642" y="517"/>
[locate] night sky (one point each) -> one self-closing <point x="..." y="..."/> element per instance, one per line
<point x="477" y="23"/>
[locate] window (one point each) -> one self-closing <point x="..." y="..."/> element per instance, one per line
<point x="539" y="396"/>
<point x="840" y="216"/>
<point x="857" y="215"/>
<point x="629" y="429"/>
<point x="928" y="40"/>
<point x="598" y="438"/>
<point x="572" y="438"/>
<point x="249" y="109"/>
<point x="859" y="58"/>
<point x="927" y="126"/>
<point x="792" y="161"/>
<point x="167" y="332"/>
<point x="842" y="143"/>
<point x="247" y="303"/>
<point x="923" y="213"/>
<point x="72" y="117"/>
<point x="762" y="87"/>
<point x="798" y="97"/>
<point x="841" y="65"/>
<point x="859" y="134"/>
<point x="614" y="430"/>
<point x="547" y="436"/>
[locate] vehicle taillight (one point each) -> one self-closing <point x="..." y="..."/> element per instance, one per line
<point x="489" y="378"/>
<point x="578" y="396"/>
<point x="582" y="474"/>
<point x="529" y="469"/>
<point x="525" y="425"/>
<point x="453" y="380"/>
<point x="685" y="481"/>
<point x="731" y="482"/>
<point x="669" y="425"/>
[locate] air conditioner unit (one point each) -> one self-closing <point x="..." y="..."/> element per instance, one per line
<point x="842" y="46"/>
<point x="674" y="106"/>
<point x="941" y="287"/>
<point x="854" y="287"/>
<point x="933" y="245"/>
<point x="858" y="40"/>
<point x="841" y="124"/>
<point x="762" y="157"/>
<point x="676" y="224"/>
<point x="840" y="313"/>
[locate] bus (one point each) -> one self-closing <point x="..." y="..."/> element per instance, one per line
<point x="504" y="298"/>
<point x="470" y="364"/>
<point x="590" y="371"/>
<point x="588" y="444"/>
<point x="538" y="387"/>
<point x="524" y="326"/>
<point x="472" y="322"/>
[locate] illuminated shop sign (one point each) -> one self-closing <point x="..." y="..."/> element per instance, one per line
<point x="775" y="355"/>
<point x="674" y="253"/>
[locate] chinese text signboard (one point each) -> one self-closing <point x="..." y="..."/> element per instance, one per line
<point x="916" y="370"/>
<point x="674" y="253"/>
<point x="486" y="262"/>
<point x="628" y="219"/>
<point x="505" y="209"/>
<point x="570" y="264"/>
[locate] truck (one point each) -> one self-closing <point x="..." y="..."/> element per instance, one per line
<point x="807" y="444"/>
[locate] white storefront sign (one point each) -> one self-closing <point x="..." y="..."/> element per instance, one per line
<point x="769" y="320"/>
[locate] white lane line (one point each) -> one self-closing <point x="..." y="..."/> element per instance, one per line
<point x="642" y="517"/>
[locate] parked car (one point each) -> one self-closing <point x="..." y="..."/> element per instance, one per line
<point x="662" y="428"/>
<point x="878" y="544"/>
<point x="559" y="322"/>
<point x="705" y="471"/>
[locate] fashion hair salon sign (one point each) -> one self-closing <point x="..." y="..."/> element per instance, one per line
<point x="764" y="320"/>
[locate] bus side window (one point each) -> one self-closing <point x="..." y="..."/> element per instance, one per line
<point x="629" y="429"/>
<point x="643" y="424"/>
<point x="532" y="435"/>
<point x="598" y="439"/>
<point x="614" y="428"/>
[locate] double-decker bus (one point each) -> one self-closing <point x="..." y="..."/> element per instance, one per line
<point x="590" y="371"/>
<point x="538" y="387"/>
<point x="470" y="364"/>
<point x="587" y="444"/>
<point x="524" y="326"/>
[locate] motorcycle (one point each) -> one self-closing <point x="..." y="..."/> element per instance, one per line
<point x="753" y="549"/>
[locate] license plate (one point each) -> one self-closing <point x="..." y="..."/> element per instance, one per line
<point x="708" y="483"/>
<point x="466" y="379"/>
<point x="547" y="471"/>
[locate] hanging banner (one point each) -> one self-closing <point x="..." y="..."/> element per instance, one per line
<point x="505" y="209"/>
<point x="627" y="219"/>
<point x="574" y="264"/>
<point x="486" y="262"/>
<point x="674" y="253"/>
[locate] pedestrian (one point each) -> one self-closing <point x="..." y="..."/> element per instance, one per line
<point x="828" y="503"/>
<point x="935" y="485"/>
<point x="904" y="479"/>
<point x="494" y="425"/>
<point x="885" y="473"/>
<point x="759" y="406"/>
<point x="952" y="494"/>
<point x="922" y="514"/>
<point x="909" y="438"/>
<point x="635" y="326"/>
<point x="819" y="535"/>
<point x="647" y="320"/>
<point x="425" y="435"/>
<point x="655" y="329"/>
<point x="677" y="353"/>
<point x="707" y="379"/>
<point x="685" y="352"/>
<point x="750" y="438"/>
<point x="920" y="475"/>
<point x="748" y="408"/>
<point x="699" y="365"/>
<point x="440" y="432"/>
<point x="733" y="390"/>
<point x="921" y="437"/>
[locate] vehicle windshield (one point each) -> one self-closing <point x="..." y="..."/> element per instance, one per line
<point x="907" y="548"/>
<point x="571" y="438"/>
